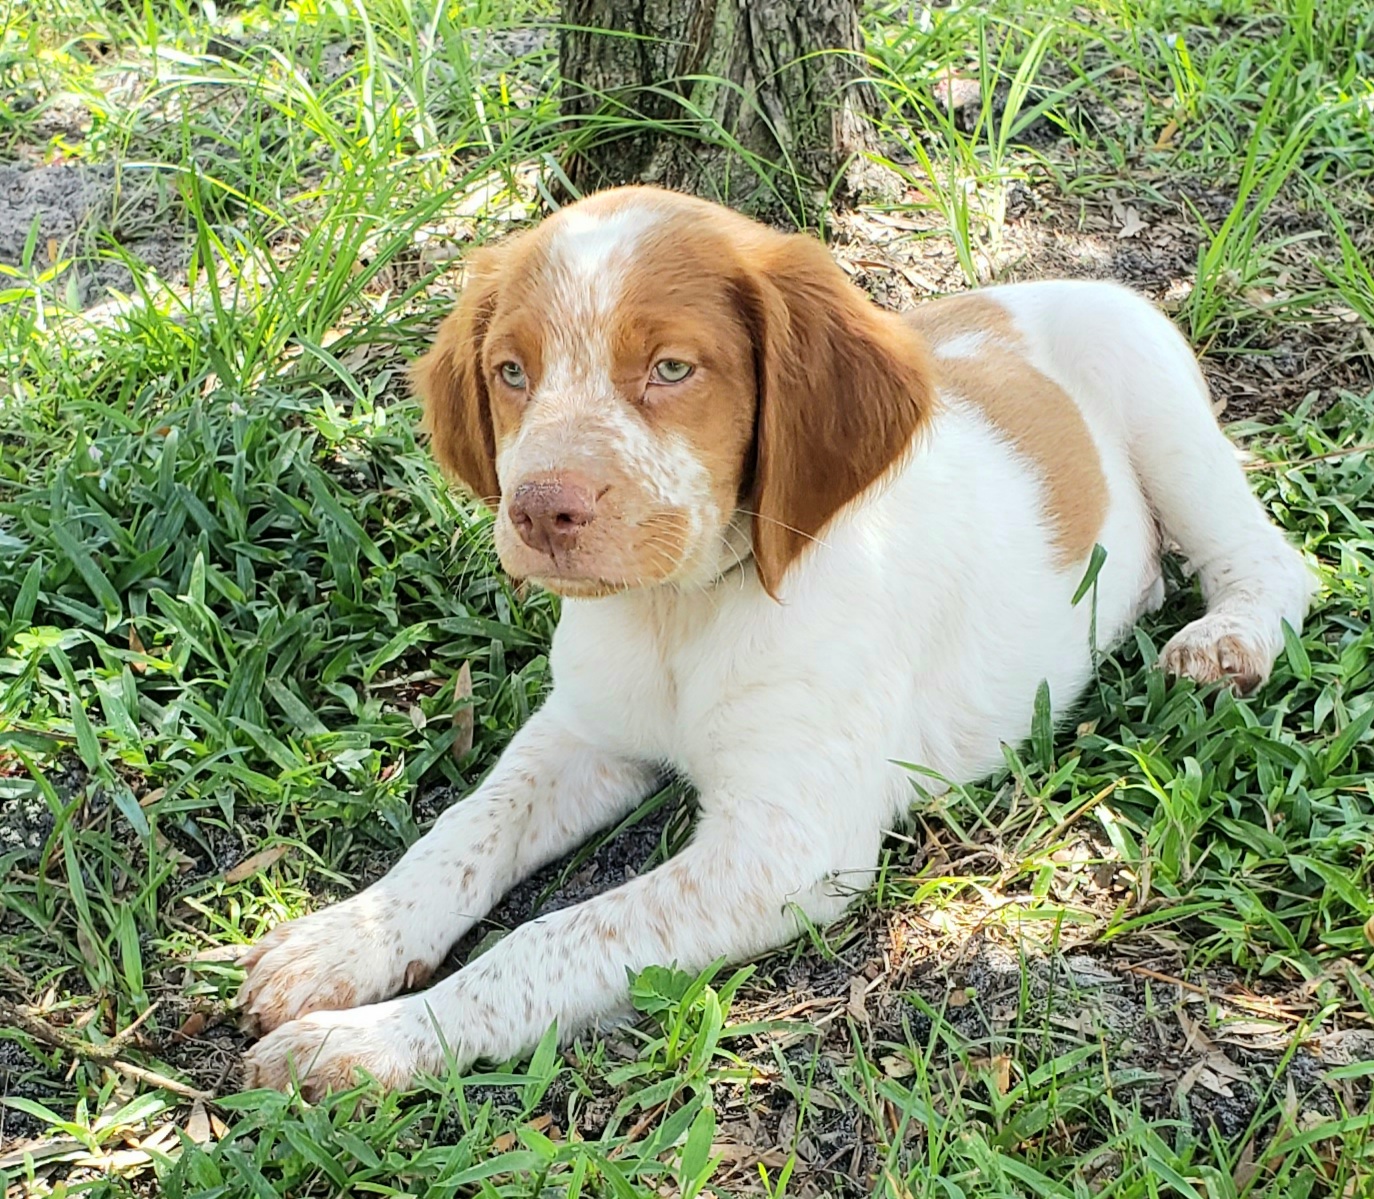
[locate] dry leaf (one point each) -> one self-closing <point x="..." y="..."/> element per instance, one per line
<point x="160" y="1139"/>
<point x="88" y="948"/>
<point x="858" y="989"/>
<point x="504" y="1143"/>
<point x="1243" y="1032"/>
<point x="1166" y="135"/>
<point x="258" y="861"/>
<point x="198" y="1124"/>
<point x="1223" y="1066"/>
<point x="1001" y="1073"/>
<point x="192" y="1026"/>
<point x="1246" y="1168"/>
<point x="136" y="645"/>
<point x="1131" y="224"/>
<point x="747" y="1155"/>
<point x="464" y="720"/>
<point x="787" y="1125"/>
<point x="116" y="1161"/>
<point x="896" y="1066"/>
<point x="1209" y="1079"/>
<point x="1196" y="1039"/>
<point x="1189" y="1079"/>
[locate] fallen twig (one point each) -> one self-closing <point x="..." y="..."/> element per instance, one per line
<point x="1259" y="1006"/>
<point x="102" y="1055"/>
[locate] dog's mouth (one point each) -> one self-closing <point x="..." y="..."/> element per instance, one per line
<point x="610" y="558"/>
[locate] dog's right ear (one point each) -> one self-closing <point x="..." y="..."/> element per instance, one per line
<point x="452" y="387"/>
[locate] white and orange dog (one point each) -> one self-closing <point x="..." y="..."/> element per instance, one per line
<point x="801" y="540"/>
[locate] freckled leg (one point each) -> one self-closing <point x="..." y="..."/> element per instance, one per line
<point x="548" y="793"/>
<point x="729" y="894"/>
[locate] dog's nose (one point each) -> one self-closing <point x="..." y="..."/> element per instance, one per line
<point x="551" y="511"/>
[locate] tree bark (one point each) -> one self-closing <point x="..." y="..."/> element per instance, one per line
<point x="761" y="102"/>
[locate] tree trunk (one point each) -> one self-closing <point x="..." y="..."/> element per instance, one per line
<point x="760" y="102"/>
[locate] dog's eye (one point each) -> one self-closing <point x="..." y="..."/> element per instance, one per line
<point x="513" y="375"/>
<point x="670" y="370"/>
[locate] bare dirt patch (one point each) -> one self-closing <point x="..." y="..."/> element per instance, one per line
<point x="92" y="214"/>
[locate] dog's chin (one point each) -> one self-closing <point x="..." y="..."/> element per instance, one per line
<point x="588" y="578"/>
<point x="570" y="587"/>
<point x="577" y="585"/>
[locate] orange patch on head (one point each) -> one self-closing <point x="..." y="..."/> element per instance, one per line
<point x="1027" y="408"/>
<point x="676" y="307"/>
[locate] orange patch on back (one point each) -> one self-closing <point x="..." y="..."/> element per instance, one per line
<point x="1026" y="407"/>
<point x="939" y="321"/>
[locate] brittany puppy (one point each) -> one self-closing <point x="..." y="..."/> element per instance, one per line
<point x="801" y="539"/>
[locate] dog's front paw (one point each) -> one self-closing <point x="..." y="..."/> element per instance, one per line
<point x="345" y="956"/>
<point x="1217" y="647"/>
<point x="331" y="1051"/>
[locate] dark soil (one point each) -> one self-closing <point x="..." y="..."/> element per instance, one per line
<point x="1257" y="369"/>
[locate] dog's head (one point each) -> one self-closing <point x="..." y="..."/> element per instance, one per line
<point x="645" y="373"/>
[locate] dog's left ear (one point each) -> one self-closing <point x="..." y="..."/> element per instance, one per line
<point x="843" y="388"/>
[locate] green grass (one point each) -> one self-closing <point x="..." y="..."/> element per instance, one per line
<point x="236" y="598"/>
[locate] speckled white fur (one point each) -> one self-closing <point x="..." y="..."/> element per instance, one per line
<point x="918" y="630"/>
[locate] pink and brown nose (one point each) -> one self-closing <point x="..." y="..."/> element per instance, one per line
<point x="551" y="511"/>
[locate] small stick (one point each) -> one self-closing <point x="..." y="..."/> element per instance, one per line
<point x="637" y="1130"/>
<point x="1255" y="1005"/>
<point x="102" y="1055"/>
<point x="122" y="1038"/>
<point x="1063" y="826"/>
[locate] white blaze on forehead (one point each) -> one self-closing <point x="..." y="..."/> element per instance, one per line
<point x="590" y="237"/>
<point x="591" y="253"/>
<point x="590" y="257"/>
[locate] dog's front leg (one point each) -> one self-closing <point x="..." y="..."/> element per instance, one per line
<point x="732" y="893"/>
<point x="549" y="791"/>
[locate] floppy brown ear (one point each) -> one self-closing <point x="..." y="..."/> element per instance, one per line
<point x="843" y="388"/>
<point x="450" y="383"/>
